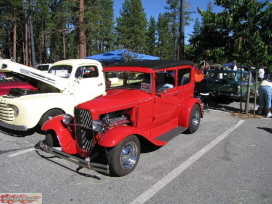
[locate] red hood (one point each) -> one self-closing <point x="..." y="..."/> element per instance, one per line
<point x="5" y="86"/>
<point x="116" y="99"/>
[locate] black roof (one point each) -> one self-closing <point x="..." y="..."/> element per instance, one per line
<point x="154" y="64"/>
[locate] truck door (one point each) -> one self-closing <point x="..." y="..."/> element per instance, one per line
<point x="89" y="83"/>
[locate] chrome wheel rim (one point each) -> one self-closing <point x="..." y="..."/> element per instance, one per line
<point x="196" y="117"/>
<point x="129" y="155"/>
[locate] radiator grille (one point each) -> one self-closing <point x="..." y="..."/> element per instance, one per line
<point x="84" y="133"/>
<point x="6" y="112"/>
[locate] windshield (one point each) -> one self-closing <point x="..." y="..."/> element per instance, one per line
<point x="129" y="80"/>
<point x="61" y="70"/>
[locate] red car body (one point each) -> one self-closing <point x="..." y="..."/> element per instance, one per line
<point x="129" y="115"/>
<point x="5" y="86"/>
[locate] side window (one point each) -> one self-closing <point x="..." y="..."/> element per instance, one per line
<point x="165" y="80"/>
<point x="86" y="72"/>
<point x="184" y="76"/>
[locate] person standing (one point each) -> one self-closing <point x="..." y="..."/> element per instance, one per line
<point x="265" y="95"/>
<point x="261" y="74"/>
<point x="235" y="66"/>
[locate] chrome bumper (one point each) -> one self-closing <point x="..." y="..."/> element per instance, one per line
<point x="81" y="162"/>
<point x="13" y="127"/>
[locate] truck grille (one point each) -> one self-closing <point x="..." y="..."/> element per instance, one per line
<point x="6" y="112"/>
<point x="84" y="133"/>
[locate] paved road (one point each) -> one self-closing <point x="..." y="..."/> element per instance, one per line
<point x="228" y="160"/>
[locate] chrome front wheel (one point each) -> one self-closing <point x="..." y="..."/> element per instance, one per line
<point x="124" y="157"/>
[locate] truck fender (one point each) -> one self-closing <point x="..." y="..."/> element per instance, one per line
<point x="65" y="138"/>
<point x="184" y="116"/>
<point x="113" y="136"/>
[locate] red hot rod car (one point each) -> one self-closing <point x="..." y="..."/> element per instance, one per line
<point x="151" y="100"/>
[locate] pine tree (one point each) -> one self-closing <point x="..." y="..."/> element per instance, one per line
<point x="164" y="41"/>
<point x="151" y="40"/>
<point x="106" y="26"/>
<point x="11" y="13"/>
<point x="131" y="26"/>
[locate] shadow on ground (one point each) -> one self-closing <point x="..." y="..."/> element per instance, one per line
<point x="266" y="129"/>
<point x="229" y="105"/>
<point x="17" y="133"/>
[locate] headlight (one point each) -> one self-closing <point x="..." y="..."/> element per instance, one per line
<point x="15" y="109"/>
<point x="66" y="118"/>
<point x="97" y="125"/>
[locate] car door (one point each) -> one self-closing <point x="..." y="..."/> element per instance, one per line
<point x="165" y="99"/>
<point x="168" y="102"/>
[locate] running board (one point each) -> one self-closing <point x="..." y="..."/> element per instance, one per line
<point x="166" y="137"/>
<point x="81" y="162"/>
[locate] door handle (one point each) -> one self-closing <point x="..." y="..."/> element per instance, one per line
<point x="100" y="84"/>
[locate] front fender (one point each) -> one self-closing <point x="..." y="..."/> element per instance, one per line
<point x="113" y="136"/>
<point x="184" y="116"/>
<point x="65" y="137"/>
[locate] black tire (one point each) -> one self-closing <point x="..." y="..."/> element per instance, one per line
<point x="49" y="114"/>
<point x="194" y="120"/>
<point x="123" y="158"/>
<point x="51" y="139"/>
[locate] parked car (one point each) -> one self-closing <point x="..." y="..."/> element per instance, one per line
<point x="229" y="83"/>
<point x="152" y="100"/>
<point x="10" y="80"/>
<point x="69" y="83"/>
<point x="44" y="67"/>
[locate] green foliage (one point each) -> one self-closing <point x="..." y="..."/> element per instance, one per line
<point x="131" y="26"/>
<point x="151" y="38"/>
<point x="164" y="42"/>
<point x="241" y="32"/>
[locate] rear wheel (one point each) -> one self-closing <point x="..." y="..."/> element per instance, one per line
<point x="124" y="157"/>
<point x="194" y="120"/>
<point x="48" y="115"/>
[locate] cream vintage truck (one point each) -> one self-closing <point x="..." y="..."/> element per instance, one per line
<point x="68" y="83"/>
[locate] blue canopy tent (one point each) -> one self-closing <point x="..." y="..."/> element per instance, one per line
<point x="121" y="55"/>
<point x="230" y="64"/>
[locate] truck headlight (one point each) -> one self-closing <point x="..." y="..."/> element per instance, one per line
<point x="66" y="118"/>
<point x="15" y="109"/>
<point x="97" y="125"/>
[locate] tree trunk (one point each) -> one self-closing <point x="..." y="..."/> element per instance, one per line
<point x="26" y="61"/>
<point x="64" y="46"/>
<point x="14" y="42"/>
<point x="82" y="37"/>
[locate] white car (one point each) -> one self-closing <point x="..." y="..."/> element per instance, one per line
<point x="68" y="83"/>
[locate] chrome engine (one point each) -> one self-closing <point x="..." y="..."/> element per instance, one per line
<point x="115" y="118"/>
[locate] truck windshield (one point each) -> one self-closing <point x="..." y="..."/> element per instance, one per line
<point x="61" y="70"/>
<point x="129" y="80"/>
